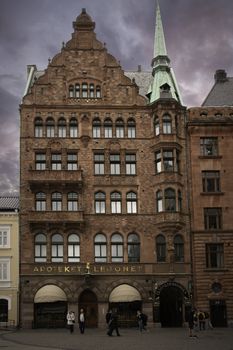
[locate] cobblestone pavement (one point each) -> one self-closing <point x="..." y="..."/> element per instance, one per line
<point x="97" y="339"/>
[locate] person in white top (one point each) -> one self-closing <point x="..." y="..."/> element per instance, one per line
<point x="70" y="320"/>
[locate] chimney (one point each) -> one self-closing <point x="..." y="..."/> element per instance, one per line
<point x="139" y="68"/>
<point x="220" y="76"/>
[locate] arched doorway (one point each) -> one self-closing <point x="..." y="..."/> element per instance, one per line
<point x="126" y="300"/>
<point x="88" y="302"/>
<point x="50" y="307"/>
<point x="171" y="306"/>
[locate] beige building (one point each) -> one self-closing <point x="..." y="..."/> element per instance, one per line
<point x="104" y="209"/>
<point x="9" y="261"/>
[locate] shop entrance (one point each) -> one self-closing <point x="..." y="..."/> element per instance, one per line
<point x="50" y="307"/>
<point x="171" y="307"/>
<point x="88" y="302"/>
<point x="218" y="313"/>
<point x="126" y="300"/>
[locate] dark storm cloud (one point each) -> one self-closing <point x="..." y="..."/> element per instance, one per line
<point x="199" y="38"/>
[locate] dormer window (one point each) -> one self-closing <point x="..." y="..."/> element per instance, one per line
<point x="84" y="90"/>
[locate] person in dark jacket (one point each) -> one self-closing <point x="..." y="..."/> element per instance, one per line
<point x="113" y="324"/>
<point x="191" y="321"/>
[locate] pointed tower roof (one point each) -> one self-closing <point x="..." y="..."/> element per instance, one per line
<point x="164" y="83"/>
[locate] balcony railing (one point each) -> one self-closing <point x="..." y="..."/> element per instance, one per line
<point x="54" y="177"/>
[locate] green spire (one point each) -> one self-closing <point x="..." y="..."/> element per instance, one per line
<point x="164" y="83"/>
<point x="159" y="42"/>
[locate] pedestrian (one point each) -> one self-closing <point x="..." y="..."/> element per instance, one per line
<point x="82" y="321"/>
<point x="140" y="320"/>
<point x="208" y="323"/>
<point x="70" y="317"/>
<point x="201" y="318"/>
<point x="144" y="321"/>
<point x="108" y="317"/>
<point x="191" y="322"/>
<point x="113" y="324"/>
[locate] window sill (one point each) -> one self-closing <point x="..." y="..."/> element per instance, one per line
<point x="212" y="193"/>
<point x="215" y="269"/>
<point x="210" y="157"/>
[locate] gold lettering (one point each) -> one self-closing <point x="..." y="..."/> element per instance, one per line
<point x="42" y="269"/>
<point x="133" y="269"/>
<point x="125" y="269"/>
<point x="102" y="268"/>
<point x="49" y="269"/>
<point x="96" y="269"/>
<point x="117" y="269"/>
<point x="79" y="268"/>
<point x="60" y="269"/>
<point x="35" y="269"/>
<point x="67" y="268"/>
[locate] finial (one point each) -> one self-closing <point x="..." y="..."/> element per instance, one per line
<point x="49" y="60"/>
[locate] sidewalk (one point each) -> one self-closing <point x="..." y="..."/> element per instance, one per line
<point x="96" y="339"/>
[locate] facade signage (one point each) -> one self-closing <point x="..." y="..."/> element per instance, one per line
<point x="88" y="269"/>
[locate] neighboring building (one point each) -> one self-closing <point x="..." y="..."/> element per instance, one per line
<point x="9" y="261"/>
<point x="210" y="130"/>
<point x="104" y="198"/>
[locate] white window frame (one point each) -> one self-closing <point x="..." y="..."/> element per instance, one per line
<point x="5" y="236"/>
<point x="5" y="271"/>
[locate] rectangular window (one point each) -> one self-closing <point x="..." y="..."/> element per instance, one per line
<point x="40" y="161"/>
<point x="130" y="164"/>
<point x="99" y="164"/>
<point x="209" y="146"/>
<point x="117" y="252"/>
<point x="4" y="237"/>
<point x="213" y="218"/>
<point x="73" y="252"/>
<point x="40" y="253"/>
<point x="214" y="255"/>
<point x="100" y="252"/>
<point x="211" y="181"/>
<point x="158" y="162"/>
<point x="115" y="165"/>
<point x="168" y="161"/>
<point x="4" y="270"/>
<point x="56" y="161"/>
<point x="72" y="161"/>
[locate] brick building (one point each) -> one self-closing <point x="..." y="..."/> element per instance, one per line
<point x="210" y="134"/>
<point x="105" y="204"/>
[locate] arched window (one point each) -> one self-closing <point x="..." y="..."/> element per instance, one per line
<point x="108" y="128"/>
<point x="170" y="199"/>
<point x="120" y="128"/>
<point x="179" y="248"/>
<point x="73" y="248"/>
<point x="40" y="201"/>
<point x="131" y="199"/>
<point x="84" y="90"/>
<point x="159" y="201"/>
<point x="100" y="243"/>
<point x="133" y="248"/>
<point x="161" y="248"/>
<point x="167" y="124"/>
<point x="115" y="203"/>
<point x="71" y="91"/>
<point x="77" y="90"/>
<point x="131" y="128"/>
<point x="4" y="310"/>
<point x="57" y="248"/>
<point x="100" y="202"/>
<point x="98" y="91"/>
<point x="156" y="126"/>
<point x="40" y="248"/>
<point x="96" y="128"/>
<point x="179" y="200"/>
<point x="117" y="248"/>
<point x="38" y="127"/>
<point x="72" y="201"/>
<point x="91" y="91"/>
<point x="62" y="127"/>
<point x="56" y="201"/>
<point x="73" y="127"/>
<point x="50" y="127"/>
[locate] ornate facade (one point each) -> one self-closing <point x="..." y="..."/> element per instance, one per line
<point x="105" y="219"/>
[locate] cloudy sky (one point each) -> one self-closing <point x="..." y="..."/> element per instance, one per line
<point x="199" y="38"/>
